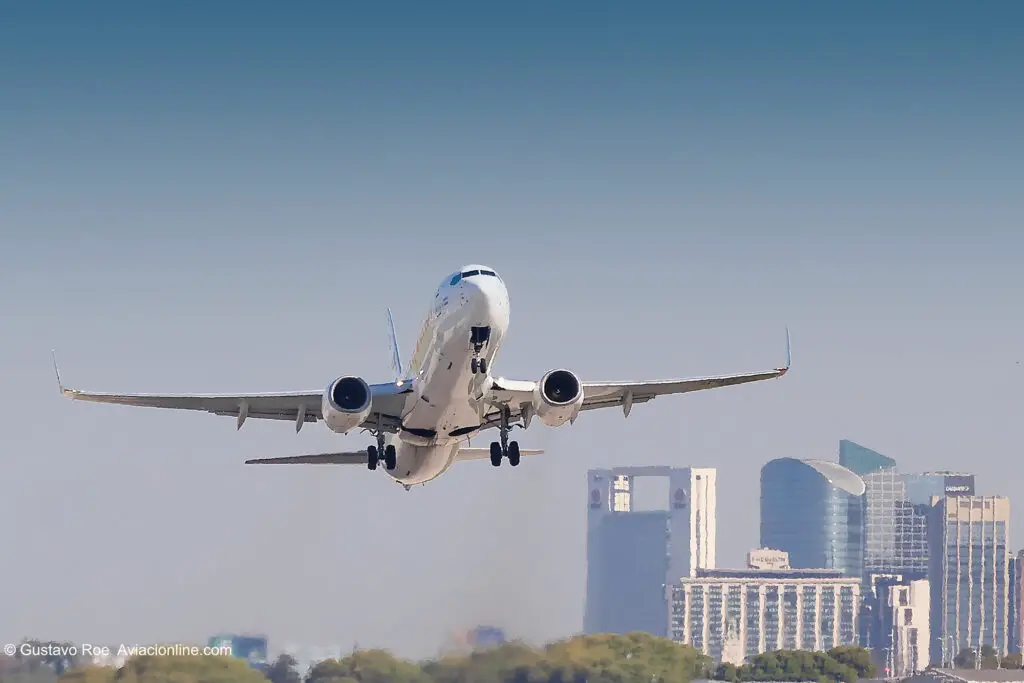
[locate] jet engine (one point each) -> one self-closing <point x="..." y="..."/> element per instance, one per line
<point x="346" y="404"/>
<point x="557" y="398"/>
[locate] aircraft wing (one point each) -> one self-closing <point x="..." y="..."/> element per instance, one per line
<point x="346" y="458"/>
<point x="518" y="395"/>
<point x="298" y="406"/>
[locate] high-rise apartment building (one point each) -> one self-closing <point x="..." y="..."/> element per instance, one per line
<point x="969" y="574"/>
<point x="633" y="556"/>
<point x="813" y="510"/>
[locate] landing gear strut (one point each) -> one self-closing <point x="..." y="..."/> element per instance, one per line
<point x="478" y="337"/>
<point x="505" y="448"/>
<point x="375" y="454"/>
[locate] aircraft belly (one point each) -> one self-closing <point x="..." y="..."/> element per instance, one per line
<point x="420" y="464"/>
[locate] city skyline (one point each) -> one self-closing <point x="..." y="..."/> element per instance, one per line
<point x="232" y="199"/>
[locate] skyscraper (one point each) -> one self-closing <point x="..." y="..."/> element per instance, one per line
<point x="896" y="509"/>
<point x="862" y="460"/>
<point x="813" y="509"/>
<point x="1013" y="632"/>
<point x="969" y="574"/>
<point x="634" y="556"/>
<point x="1016" y="642"/>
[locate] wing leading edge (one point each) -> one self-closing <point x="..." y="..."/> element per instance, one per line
<point x="298" y="406"/>
<point x="517" y="394"/>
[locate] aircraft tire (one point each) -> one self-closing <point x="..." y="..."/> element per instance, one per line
<point x="513" y="453"/>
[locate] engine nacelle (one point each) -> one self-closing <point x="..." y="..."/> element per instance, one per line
<point x="558" y="397"/>
<point x="346" y="404"/>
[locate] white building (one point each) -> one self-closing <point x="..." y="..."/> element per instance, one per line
<point x="767" y="558"/>
<point x="731" y="614"/>
<point x="907" y="621"/>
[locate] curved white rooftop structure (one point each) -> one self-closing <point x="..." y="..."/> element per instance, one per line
<point x="838" y="476"/>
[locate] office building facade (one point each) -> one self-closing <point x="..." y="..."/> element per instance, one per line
<point x="731" y="614"/>
<point x="905" y="622"/>
<point x="813" y="510"/>
<point x="634" y="556"/>
<point x="861" y="460"/>
<point x="969" y="575"/>
<point x="1016" y="573"/>
<point x="896" y="510"/>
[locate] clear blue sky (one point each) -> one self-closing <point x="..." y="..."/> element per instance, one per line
<point x="228" y="198"/>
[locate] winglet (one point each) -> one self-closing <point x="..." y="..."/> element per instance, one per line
<point x="56" y="371"/>
<point x="783" y="370"/>
<point x="396" y="355"/>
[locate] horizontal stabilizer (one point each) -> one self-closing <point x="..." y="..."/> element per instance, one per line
<point x="347" y="458"/>
<point x="485" y="453"/>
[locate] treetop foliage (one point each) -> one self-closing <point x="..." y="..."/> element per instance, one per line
<point x="631" y="658"/>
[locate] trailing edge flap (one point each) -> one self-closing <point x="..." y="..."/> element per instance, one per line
<point x="485" y="453"/>
<point x="347" y="458"/>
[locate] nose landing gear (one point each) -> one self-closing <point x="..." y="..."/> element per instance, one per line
<point x="478" y="337"/>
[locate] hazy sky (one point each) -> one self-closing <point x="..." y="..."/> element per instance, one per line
<point x="198" y="199"/>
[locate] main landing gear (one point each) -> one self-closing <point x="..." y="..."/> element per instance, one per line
<point x="375" y="454"/>
<point x="478" y="337"/>
<point x="505" y="448"/>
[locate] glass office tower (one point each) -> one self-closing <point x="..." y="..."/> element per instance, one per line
<point x="813" y="509"/>
<point x="896" y="508"/>
<point x="862" y="460"/>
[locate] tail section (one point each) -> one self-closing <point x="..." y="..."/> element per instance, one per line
<point x="396" y="354"/>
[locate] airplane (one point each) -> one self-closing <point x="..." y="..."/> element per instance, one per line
<point x="424" y="418"/>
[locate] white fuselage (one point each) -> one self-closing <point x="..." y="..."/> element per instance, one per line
<point x="444" y="411"/>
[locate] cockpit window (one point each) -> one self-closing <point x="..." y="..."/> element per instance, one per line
<point x="455" y="279"/>
<point x="471" y="273"/>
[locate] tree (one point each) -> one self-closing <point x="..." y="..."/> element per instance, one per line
<point x="367" y="666"/>
<point x="90" y="674"/>
<point x="188" y="669"/>
<point x="593" y="659"/>
<point x="1012" y="661"/>
<point x="630" y="657"/>
<point x="989" y="657"/>
<point x="800" y="665"/>
<point x="284" y="670"/>
<point x="513" y="661"/>
<point x="964" y="659"/>
<point x="857" y="658"/>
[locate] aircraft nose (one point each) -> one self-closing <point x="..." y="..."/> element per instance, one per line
<point x="482" y="296"/>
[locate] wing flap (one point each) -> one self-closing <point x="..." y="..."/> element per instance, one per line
<point x="485" y="453"/>
<point x="344" y="458"/>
